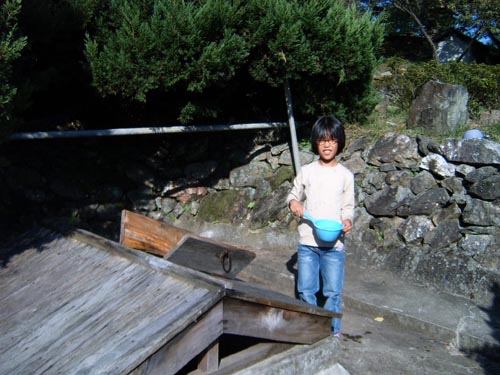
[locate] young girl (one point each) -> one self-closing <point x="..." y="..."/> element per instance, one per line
<point x="325" y="190"/>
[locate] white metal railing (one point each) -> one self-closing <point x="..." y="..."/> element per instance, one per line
<point x="144" y="130"/>
<point x="166" y="130"/>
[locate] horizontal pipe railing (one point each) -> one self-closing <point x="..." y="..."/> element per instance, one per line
<point x="144" y="131"/>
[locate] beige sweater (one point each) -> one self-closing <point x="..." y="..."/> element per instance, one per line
<point x="327" y="193"/>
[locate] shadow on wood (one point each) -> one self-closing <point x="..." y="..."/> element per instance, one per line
<point x="182" y="247"/>
<point x="86" y="304"/>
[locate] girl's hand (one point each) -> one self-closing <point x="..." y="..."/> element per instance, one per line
<point x="296" y="207"/>
<point x="347" y="226"/>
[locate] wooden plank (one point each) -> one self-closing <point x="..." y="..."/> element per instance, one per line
<point x="245" y="358"/>
<point x="145" y="259"/>
<point x="255" y="320"/>
<point x="182" y="247"/>
<point x="210" y="257"/>
<point x="248" y="357"/>
<point x="210" y="360"/>
<point x="143" y="233"/>
<point x="254" y="293"/>
<point x="188" y="344"/>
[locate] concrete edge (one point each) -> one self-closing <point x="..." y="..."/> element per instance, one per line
<point x="455" y="338"/>
<point x="301" y="359"/>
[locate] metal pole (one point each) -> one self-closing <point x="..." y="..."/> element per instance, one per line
<point x="293" y="133"/>
<point x="144" y="131"/>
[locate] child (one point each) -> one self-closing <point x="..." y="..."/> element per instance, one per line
<point x="325" y="190"/>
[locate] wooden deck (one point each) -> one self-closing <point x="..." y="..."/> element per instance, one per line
<point x="76" y="303"/>
<point x="69" y="307"/>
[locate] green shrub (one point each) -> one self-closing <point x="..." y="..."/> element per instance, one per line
<point x="11" y="46"/>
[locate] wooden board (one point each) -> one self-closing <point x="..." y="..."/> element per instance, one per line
<point x="182" y="247"/>
<point x="210" y="257"/>
<point x="143" y="233"/>
<point x="255" y="320"/>
<point x="258" y="294"/>
<point x="178" y="352"/>
<point x="245" y="358"/>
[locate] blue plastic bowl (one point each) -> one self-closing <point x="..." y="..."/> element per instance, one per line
<point x="473" y="133"/>
<point x="328" y="230"/>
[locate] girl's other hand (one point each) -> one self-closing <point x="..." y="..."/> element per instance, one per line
<point x="297" y="208"/>
<point x="347" y="226"/>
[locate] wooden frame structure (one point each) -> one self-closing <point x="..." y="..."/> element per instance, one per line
<point x="76" y="303"/>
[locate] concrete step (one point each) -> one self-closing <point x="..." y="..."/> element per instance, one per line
<point x="442" y="316"/>
<point x="301" y="359"/>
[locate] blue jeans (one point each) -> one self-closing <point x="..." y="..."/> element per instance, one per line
<point x="329" y="263"/>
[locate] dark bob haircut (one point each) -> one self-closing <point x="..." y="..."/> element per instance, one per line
<point x="328" y="127"/>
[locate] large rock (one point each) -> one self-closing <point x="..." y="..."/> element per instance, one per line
<point x="250" y="175"/>
<point x="438" y="165"/>
<point x="452" y="212"/>
<point x="451" y="273"/>
<point x="373" y="181"/>
<point x="484" y="249"/>
<point x="415" y="228"/>
<point x="471" y="151"/>
<point x="454" y="185"/>
<point x="485" y="183"/>
<point x="443" y="235"/>
<point x="428" y="201"/>
<point x="490" y="117"/>
<point x="228" y="206"/>
<point x="478" y="212"/>
<point x="200" y="171"/>
<point x="393" y="148"/>
<point x="425" y="203"/>
<point x="285" y="158"/>
<point x="440" y="108"/>
<point x="402" y="178"/>
<point x="269" y="207"/>
<point x="142" y="199"/>
<point x="474" y="244"/>
<point x="355" y="163"/>
<point x="385" y="202"/>
<point x="422" y="182"/>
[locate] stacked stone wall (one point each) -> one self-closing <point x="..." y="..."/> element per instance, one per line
<point x="428" y="211"/>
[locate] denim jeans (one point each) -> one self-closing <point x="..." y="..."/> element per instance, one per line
<point x="329" y="263"/>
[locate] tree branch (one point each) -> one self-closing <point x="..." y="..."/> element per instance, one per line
<point x="406" y="7"/>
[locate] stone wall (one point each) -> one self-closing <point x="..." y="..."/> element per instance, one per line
<point x="427" y="211"/>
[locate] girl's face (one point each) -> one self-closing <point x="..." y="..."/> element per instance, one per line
<point x="327" y="150"/>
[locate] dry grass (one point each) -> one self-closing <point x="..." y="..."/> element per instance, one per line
<point x="393" y="120"/>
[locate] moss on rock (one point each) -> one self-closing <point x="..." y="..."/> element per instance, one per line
<point x="224" y="206"/>
<point x="282" y="174"/>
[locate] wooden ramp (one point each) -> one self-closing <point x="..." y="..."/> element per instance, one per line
<point x="76" y="303"/>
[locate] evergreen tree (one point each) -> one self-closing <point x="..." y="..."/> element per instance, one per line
<point x="11" y="46"/>
<point x="327" y="49"/>
<point x="166" y="45"/>
<point x="193" y="49"/>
